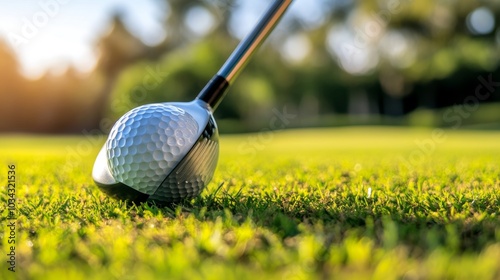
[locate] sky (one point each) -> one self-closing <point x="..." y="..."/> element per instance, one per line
<point x="56" y="33"/>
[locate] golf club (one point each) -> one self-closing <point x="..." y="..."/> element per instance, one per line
<point x="167" y="152"/>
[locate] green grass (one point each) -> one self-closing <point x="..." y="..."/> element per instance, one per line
<point x="302" y="204"/>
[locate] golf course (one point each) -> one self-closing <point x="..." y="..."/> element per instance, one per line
<point x="337" y="203"/>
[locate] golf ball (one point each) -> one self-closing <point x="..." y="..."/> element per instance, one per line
<point x="147" y="143"/>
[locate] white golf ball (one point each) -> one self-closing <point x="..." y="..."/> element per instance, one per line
<point x="147" y="143"/>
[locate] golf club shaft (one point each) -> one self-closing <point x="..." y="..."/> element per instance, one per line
<point x="215" y="90"/>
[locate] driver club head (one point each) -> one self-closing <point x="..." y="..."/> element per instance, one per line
<point x="168" y="152"/>
<point x="162" y="153"/>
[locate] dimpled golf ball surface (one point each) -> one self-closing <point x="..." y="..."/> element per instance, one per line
<point x="147" y="143"/>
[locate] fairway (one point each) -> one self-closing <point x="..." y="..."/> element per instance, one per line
<point x="344" y="203"/>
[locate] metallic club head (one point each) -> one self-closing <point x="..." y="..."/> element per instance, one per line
<point x="167" y="152"/>
<point x="163" y="152"/>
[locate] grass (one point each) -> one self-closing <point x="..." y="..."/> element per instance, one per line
<point x="302" y="204"/>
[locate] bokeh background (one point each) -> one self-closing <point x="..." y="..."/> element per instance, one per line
<point x="72" y="66"/>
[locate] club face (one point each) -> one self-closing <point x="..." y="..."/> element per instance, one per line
<point x="159" y="152"/>
<point x="194" y="172"/>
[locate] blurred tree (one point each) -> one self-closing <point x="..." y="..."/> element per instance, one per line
<point x="327" y="58"/>
<point x="10" y="79"/>
<point x="388" y="55"/>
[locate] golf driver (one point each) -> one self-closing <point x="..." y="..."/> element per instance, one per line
<point x="168" y="152"/>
